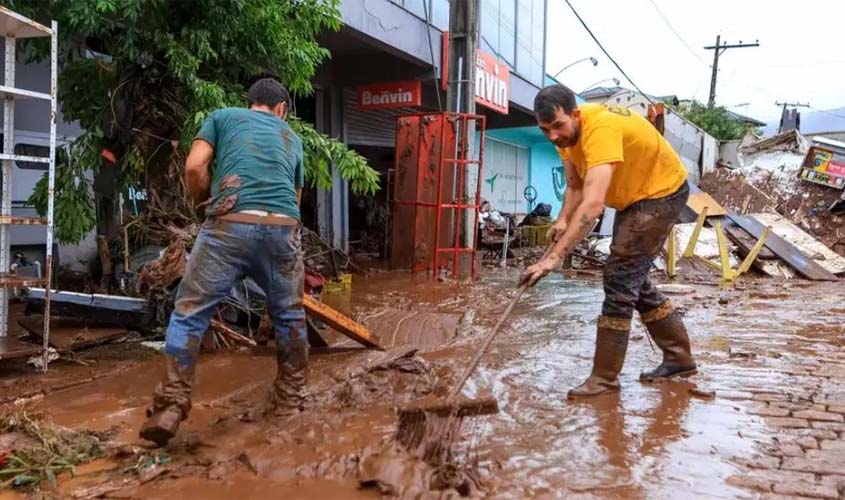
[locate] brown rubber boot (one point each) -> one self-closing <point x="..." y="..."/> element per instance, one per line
<point x="611" y="345"/>
<point x="171" y="402"/>
<point x="670" y="334"/>
<point x="288" y="393"/>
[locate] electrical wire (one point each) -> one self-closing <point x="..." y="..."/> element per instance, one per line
<point x="826" y="112"/>
<point x="678" y="35"/>
<point x="584" y="24"/>
<point x="431" y="52"/>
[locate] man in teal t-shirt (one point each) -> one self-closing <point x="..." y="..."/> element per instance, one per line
<point x="259" y="163"/>
<point x="251" y="205"/>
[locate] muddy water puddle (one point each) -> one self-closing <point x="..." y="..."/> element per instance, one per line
<point x="649" y="441"/>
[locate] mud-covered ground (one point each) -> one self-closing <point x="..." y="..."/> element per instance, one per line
<point x="771" y="351"/>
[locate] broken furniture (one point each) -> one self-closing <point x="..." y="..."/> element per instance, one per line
<point x="16" y="27"/>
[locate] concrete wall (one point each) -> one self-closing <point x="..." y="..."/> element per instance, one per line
<point x="710" y="155"/>
<point x="687" y="139"/>
<point x="729" y="153"/>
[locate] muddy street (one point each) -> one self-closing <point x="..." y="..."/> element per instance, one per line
<point x="765" y="414"/>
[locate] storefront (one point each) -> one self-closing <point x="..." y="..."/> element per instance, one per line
<point x="386" y="68"/>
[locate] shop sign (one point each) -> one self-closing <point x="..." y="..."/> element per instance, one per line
<point x="492" y="78"/>
<point x="825" y="163"/>
<point x="492" y="82"/>
<point x="390" y="95"/>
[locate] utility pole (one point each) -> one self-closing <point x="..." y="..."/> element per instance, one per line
<point x="460" y="97"/>
<point x="718" y="50"/>
<point x="463" y="42"/>
<point x="783" y="113"/>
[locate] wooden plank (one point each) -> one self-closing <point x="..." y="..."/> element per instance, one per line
<point x="807" y="244"/>
<point x="745" y="241"/>
<point x="71" y="334"/>
<point x="698" y="201"/>
<point x="805" y="266"/>
<point x="13" y="348"/>
<point x="343" y="324"/>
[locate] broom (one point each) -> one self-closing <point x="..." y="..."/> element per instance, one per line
<point x="429" y="425"/>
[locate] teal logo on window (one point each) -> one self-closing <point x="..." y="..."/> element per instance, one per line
<point x="491" y="181"/>
<point x="558" y="182"/>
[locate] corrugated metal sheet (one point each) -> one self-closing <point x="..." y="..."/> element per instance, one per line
<point x="370" y="128"/>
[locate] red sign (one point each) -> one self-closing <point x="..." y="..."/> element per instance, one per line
<point x="492" y="78"/>
<point x="492" y="82"/>
<point x="390" y="95"/>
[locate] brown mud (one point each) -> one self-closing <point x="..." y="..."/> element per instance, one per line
<point x="768" y="353"/>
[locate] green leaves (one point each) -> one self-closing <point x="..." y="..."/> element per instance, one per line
<point x="73" y="212"/>
<point x="161" y="66"/>
<point x="714" y="120"/>
<point x="321" y="152"/>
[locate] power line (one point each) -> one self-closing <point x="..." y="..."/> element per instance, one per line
<point x="826" y="112"/>
<point x="584" y="24"/>
<point x="678" y="35"/>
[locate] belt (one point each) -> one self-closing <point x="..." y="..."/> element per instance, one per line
<point x="269" y="220"/>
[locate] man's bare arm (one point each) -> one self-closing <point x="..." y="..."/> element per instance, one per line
<point x="574" y="193"/>
<point x="595" y="189"/>
<point x="589" y="209"/>
<point x="299" y="196"/>
<point x="197" y="175"/>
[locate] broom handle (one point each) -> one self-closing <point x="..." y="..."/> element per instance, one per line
<point x="477" y="358"/>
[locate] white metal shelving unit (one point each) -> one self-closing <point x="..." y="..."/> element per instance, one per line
<point x="14" y="27"/>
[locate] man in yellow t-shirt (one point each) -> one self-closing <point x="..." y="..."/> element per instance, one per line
<point x="617" y="158"/>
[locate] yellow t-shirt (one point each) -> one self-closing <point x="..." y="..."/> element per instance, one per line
<point x="646" y="166"/>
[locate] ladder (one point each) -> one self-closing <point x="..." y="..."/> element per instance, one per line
<point x="14" y="27"/>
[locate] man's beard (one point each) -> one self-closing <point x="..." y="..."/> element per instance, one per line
<point x="576" y="134"/>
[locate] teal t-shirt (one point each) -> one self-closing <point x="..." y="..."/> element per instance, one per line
<point x="258" y="162"/>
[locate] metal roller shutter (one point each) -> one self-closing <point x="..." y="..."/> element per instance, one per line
<point x="370" y="128"/>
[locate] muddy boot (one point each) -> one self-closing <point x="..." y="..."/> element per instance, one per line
<point x="670" y="334"/>
<point x="171" y="402"/>
<point x="611" y="345"/>
<point x="288" y="393"/>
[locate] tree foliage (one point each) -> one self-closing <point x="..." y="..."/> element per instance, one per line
<point x="141" y="75"/>
<point x="714" y="120"/>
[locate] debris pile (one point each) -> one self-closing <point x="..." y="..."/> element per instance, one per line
<point x="767" y="180"/>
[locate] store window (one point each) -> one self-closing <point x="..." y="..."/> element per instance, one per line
<point x="23" y="149"/>
<point x="514" y="30"/>
<point x="438" y="11"/>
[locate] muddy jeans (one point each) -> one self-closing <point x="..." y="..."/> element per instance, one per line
<point x="224" y="253"/>
<point x="639" y="233"/>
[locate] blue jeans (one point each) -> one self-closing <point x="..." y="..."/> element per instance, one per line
<point x="223" y="254"/>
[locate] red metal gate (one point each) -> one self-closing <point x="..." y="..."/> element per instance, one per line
<point x="434" y="152"/>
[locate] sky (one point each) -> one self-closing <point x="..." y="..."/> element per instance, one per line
<point x="800" y="58"/>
